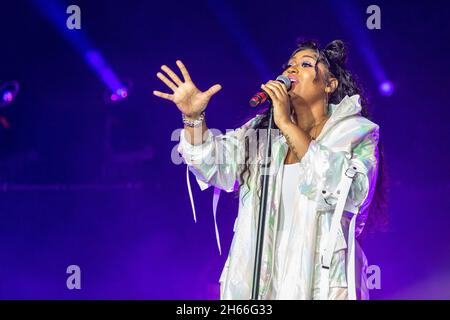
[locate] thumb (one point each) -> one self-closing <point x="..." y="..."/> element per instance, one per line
<point x="213" y="90"/>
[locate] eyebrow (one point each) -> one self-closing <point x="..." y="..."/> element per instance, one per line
<point x="305" y="56"/>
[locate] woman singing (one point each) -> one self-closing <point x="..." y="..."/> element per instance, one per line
<point x="324" y="173"/>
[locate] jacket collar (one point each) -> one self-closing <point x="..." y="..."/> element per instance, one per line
<point x="349" y="106"/>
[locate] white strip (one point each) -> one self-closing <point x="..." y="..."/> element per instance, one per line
<point x="324" y="283"/>
<point x="190" y="193"/>
<point x="331" y="237"/>
<point x="215" y="202"/>
<point x="351" y="277"/>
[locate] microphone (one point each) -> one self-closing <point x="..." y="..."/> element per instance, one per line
<point x="261" y="96"/>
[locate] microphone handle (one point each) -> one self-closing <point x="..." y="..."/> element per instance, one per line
<point x="259" y="98"/>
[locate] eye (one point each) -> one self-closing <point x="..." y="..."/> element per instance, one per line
<point x="286" y="66"/>
<point x="304" y="64"/>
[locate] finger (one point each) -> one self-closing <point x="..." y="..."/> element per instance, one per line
<point x="184" y="71"/>
<point x="268" y="91"/>
<point x="163" y="95"/>
<point x="171" y="74"/>
<point x="213" y="90"/>
<point x="282" y="91"/>
<point x="281" y="86"/>
<point x="274" y="89"/>
<point x="164" y="79"/>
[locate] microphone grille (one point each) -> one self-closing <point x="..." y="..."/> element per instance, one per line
<point x="285" y="80"/>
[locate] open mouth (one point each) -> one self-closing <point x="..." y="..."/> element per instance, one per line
<point x="292" y="78"/>
<point x="294" y="81"/>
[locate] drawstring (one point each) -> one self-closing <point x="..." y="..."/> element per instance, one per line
<point x="215" y="202"/>
<point x="191" y="198"/>
<point x="216" y="197"/>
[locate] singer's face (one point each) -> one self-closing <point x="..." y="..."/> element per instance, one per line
<point x="306" y="87"/>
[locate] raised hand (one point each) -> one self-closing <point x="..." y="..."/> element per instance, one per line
<point x="187" y="97"/>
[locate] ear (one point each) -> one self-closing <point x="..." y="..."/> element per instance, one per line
<point x="332" y="85"/>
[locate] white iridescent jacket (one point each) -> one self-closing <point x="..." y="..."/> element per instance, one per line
<point x="347" y="138"/>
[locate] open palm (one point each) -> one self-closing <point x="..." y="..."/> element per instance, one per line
<point x="186" y="96"/>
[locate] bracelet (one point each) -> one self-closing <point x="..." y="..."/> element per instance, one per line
<point x="193" y="122"/>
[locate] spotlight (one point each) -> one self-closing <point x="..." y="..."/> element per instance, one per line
<point x="386" y="88"/>
<point x="7" y="96"/>
<point x="122" y="92"/>
<point x="8" y="92"/>
<point x="119" y="94"/>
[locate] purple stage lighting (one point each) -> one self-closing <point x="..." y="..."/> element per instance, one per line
<point x="7" y="96"/>
<point x="8" y="92"/>
<point x="54" y="11"/>
<point x="119" y="94"/>
<point x="386" y="88"/>
<point x="122" y="92"/>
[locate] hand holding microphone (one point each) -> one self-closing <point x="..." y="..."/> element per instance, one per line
<point x="277" y="92"/>
<point x="262" y="96"/>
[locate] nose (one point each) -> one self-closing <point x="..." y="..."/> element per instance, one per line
<point x="292" y="71"/>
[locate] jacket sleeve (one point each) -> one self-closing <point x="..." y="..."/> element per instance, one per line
<point x="322" y="169"/>
<point x="216" y="161"/>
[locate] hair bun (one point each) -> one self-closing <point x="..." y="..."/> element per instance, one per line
<point x="336" y="51"/>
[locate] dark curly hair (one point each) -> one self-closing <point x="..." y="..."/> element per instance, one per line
<point x="334" y="56"/>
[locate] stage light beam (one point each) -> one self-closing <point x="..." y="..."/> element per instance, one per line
<point x="54" y="11"/>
